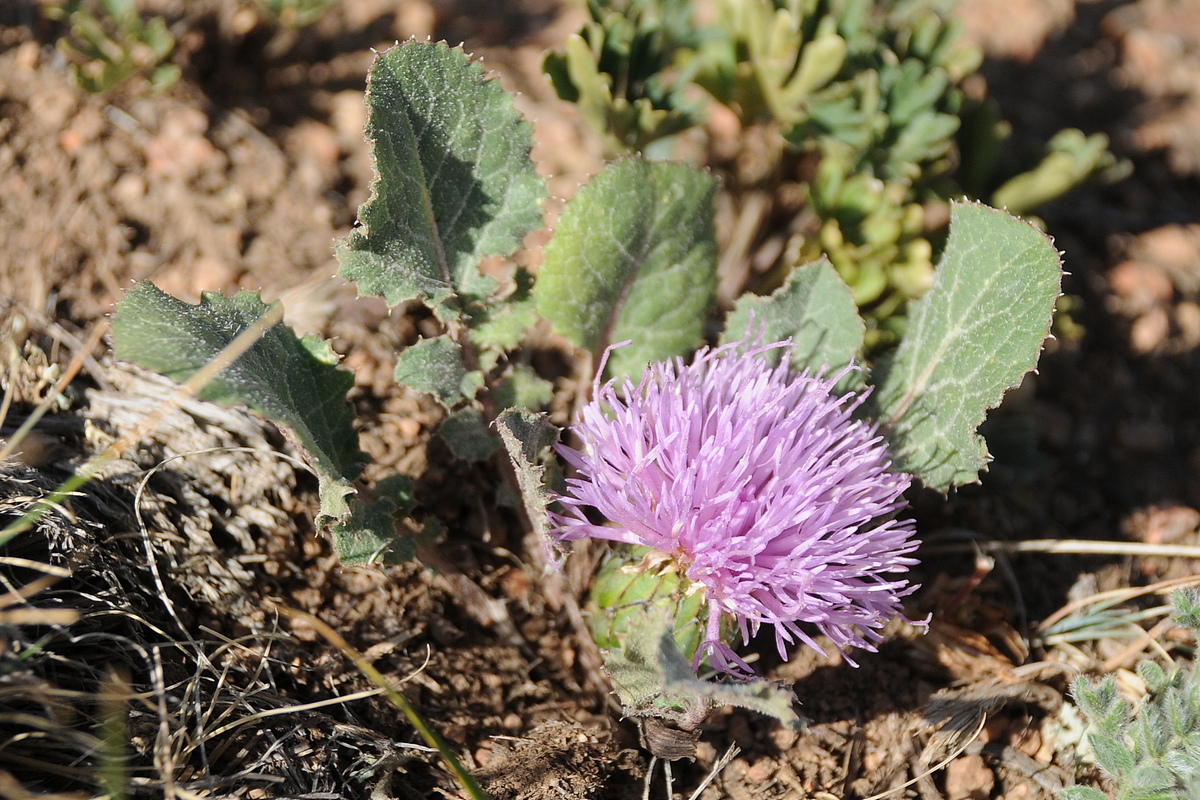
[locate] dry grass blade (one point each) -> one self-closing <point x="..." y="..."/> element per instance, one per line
<point x="68" y="375"/>
<point x="1117" y="596"/>
<point x="431" y="736"/>
<point x="1066" y="547"/>
<point x="94" y="465"/>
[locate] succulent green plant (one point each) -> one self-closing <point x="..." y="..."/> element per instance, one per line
<point x="295" y="13"/>
<point x="861" y="108"/>
<point x="1151" y="749"/>
<point x="617" y="70"/>
<point x="109" y="43"/>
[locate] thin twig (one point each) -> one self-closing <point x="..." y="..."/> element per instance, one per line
<point x="431" y="737"/>
<point x="1067" y="547"/>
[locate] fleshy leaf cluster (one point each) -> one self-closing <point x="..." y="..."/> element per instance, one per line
<point x="108" y="43"/>
<point x="868" y="92"/>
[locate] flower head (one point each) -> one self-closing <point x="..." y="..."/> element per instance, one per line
<point x="759" y="483"/>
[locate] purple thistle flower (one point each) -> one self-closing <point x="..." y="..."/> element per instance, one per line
<point x="759" y="483"/>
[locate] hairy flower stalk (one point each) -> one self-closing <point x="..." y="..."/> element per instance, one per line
<point x="759" y="484"/>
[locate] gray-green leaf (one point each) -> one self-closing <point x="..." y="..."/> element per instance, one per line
<point x="368" y="535"/>
<point x="634" y="257"/>
<point x="453" y="183"/>
<point x="1081" y="793"/>
<point x="468" y="435"/>
<point x="815" y="308"/>
<point x="974" y="335"/>
<point x="290" y="381"/>
<point x="435" y="366"/>
<point x="654" y="679"/>
<point x="526" y="437"/>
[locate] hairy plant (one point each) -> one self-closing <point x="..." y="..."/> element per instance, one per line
<point x="1150" y="749"/>
<point x="633" y="260"/>
<point x="295" y="13"/>
<point x="754" y="483"/>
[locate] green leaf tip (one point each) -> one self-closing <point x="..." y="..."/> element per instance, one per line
<point x="634" y="257"/>
<point x="653" y="678"/>
<point x="290" y="381"/>
<point x="815" y="308"/>
<point x="368" y="534"/>
<point x="453" y="181"/>
<point x="972" y="337"/>
<point x="435" y="366"/>
<point x="526" y="437"/>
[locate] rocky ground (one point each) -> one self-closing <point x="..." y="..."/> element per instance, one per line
<point x="244" y="173"/>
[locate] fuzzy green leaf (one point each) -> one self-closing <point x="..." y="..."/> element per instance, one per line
<point x="1111" y="754"/>
<point x="523" y="388"/>
<point x="815" y="308"/>
<point x="453" y="183"/>
<point x="973" y="336"/>
<point x="1153" y="676"/>
<point x="634" y="257"/>
<point x="288" y="380"/>
<point x="435" y="366"/>
<point x="527" y="437"/>
<point x="1081" y="793"/>
<point x="654" y="679"/>
<point x="468" y="436"/>
<point x="368" y="535"/>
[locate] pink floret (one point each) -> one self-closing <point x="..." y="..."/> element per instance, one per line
<point x="760" y="483"/>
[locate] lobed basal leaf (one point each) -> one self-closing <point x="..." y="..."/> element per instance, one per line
<point x="293" y="382"/>
<point x="453" y="180"/>
<point x="974" y="335"/>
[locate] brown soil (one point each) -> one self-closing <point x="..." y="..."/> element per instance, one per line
<point x="244" y="174"/>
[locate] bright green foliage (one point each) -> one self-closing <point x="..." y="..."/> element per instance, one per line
<point x="653" y="678"/>
<point x="631" y="578"/>
<point x="815" y="309"/>
<point x="295" y="13"/>
<point x="972" y="337"/>
<point x="613" y="70"/>
<point x="772" y="61"/>
<point x="453" y="185"/>
<point x="290" y="381"/>
<point x="1151" y="750"/>
<point x="523" y="388"/>
<point x="873" y="234"/>
<point x="1071" y="157"/>
<point x="634" y="258"/>
<point x="114" y="44"/>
